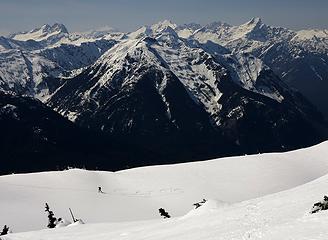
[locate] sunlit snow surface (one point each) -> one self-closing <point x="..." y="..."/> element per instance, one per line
<point x="132" y="198"/>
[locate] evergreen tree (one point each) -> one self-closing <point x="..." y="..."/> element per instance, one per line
<point x="51" y="218"/>
<point x="5" y="230"/>
<point x="163" y="213"/>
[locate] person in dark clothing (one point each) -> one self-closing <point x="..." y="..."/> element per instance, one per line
<point x="100" y="190"/>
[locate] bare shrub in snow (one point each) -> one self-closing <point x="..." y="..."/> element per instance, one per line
<point x="199" y="204"/>
<point x="163" y="213"/>
<point x="319" y="206"/>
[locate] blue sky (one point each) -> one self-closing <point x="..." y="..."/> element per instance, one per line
<point x="126" y="15"/>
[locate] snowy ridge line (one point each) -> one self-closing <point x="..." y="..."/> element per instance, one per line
<point x="221" y="33"/>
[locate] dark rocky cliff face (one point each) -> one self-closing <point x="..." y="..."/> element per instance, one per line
<point x="35" y="138"/>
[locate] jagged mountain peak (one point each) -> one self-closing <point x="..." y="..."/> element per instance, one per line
<point x="255" y="21"/>
<point x="42" y="33"/>
<point x="140" y="32"/>
<point x="44" y="27"/>
<point x="165" y="27"/>
<point x="47" y="28"/>
<point x="163" y="24"/>
<point x="58" y="27"/>
<point x="167" y="33"/>
<point x="254" y="28"/>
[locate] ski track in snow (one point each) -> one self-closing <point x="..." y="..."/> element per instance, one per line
<point x="118" y="191"/>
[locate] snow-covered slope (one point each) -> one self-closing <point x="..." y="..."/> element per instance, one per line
<point x="310" y="34"/>
<point x="72" y="56"/>
<point x="25" y="73"/>
<point x="284" y="215"/>
<point x="137" y="194"/>
<point x="298" y="57"/>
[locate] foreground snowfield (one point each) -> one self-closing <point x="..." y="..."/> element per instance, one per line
<point x="136" y="194"/>
<point x="279" y="216"/>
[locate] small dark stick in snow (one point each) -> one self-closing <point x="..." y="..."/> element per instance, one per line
<point x="70" y="210"/>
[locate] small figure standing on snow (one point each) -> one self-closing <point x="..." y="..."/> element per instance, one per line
<point x="100" y="190"/>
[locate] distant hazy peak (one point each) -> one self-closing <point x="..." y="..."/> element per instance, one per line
<point x="255" y="21"/>
<point x="41" y="33"/>
<point x="311" y="34"/>
<point x="158" y="27"/>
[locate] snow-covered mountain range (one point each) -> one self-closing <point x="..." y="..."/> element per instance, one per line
<point x="28" y="59"/>
<point x="184" y="92"/>
<point x="298" y="57"/>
